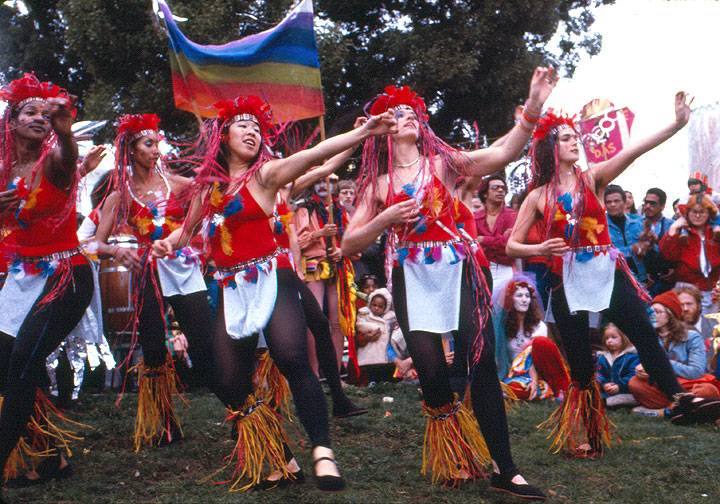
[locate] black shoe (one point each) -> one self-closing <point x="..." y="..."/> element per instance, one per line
<point x="691" y="409"/>
<point x="502" y="483"/>
<point x="346" y="409"/>
<point x="295" y="478"/>
<point x="328" y="483"/>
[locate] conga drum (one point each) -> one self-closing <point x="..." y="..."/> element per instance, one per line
<point x="116" y="289"/>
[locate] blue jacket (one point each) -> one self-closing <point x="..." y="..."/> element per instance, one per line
<point x="624" y="239"/>
<point x="618" y="370"/>
<point x="688" y="358"/>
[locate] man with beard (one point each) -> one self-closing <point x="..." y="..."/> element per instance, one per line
<point x="690" y="301"/>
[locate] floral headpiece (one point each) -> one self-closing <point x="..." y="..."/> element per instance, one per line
<point x="135" y="126"/>
<point x="551" y="122"/>
<point x="398" y="97"/>
<point x="29" y="88"/>
<point x="246" y="108"/>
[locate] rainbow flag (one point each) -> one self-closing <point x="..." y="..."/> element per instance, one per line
<point x="280" y="65"/>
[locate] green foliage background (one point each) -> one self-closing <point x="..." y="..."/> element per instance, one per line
<point x="471" y="60"/>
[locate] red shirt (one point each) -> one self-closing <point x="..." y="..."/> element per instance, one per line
<point x="494" y="240"/>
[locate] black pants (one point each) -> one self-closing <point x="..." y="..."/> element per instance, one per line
<point x="42" y="331"/>
<point x="286" y="337"/>
<point x="629" y="313"/>
<point x="429" y="359"/>
<point x="194" y="316"/>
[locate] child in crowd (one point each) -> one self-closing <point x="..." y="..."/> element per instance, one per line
<point x="375" y="323"/>
<point x="616" y="366"/>
<point x="367" y="284"/>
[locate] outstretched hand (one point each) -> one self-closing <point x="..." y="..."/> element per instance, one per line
<point x="682" y="108"/>
<point x="542" y="83"/>
<point x="61" y="116"/>
<point x="382" y="124"/>
<point x="92" y="159"/>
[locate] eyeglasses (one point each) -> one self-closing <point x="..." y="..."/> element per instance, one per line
<point x="704" y="211"/>
<point x="498" y="188"/>
<point x="651" y="203"/>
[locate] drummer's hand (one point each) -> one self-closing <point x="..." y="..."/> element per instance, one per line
<point x="162" y="248"/>
<point x="128" y="258"/>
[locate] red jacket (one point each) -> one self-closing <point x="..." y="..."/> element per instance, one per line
<point x="686" y="256"/>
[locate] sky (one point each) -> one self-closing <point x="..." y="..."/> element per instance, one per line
<point x="651" y="49"/>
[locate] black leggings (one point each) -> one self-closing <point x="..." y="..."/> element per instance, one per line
<point x="319" y="326"/>
<point x="287" y="341"/>
<point x="42" y="331"/>
<point x="193" y="315"/>
<point x="629" y="313"/>
<point x="429" y="359"/>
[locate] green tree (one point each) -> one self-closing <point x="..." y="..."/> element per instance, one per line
<point x="471" y="60"/>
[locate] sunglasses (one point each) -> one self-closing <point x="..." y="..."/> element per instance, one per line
<point x="651" y="203"/>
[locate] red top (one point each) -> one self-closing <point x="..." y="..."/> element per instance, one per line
<point x="155" y="220"/>
<point x="239" y="229"/>
<point x="37" y="231"/>
<point x="686" y="255"/>
<point x="436" y="212"/>
<point x="495" y="240"/>
<point x="593" y="224"/>
<point x="465" y="220"/>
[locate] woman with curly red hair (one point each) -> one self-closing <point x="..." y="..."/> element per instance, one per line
<point x="406" y="185"/>
<point x="49" y="283"/>
<point x="148" y="203"/>
<point x="527" y="360"/>
<point x="235" y="193"/>
<point x="588" y="275"/>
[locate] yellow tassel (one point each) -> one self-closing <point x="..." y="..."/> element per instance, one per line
<point x="271" y="386"/>
<point x="259" y="449"/>
<point x="156" y="418"/>
<point x="225" y="240"/>
<point x="509" y="396"/>
<point x="453" y="449"/>
<point x="216" y="195"/>
<point x="580" y="420"/>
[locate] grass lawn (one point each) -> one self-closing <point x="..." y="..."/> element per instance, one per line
<point x="380" y="457"/>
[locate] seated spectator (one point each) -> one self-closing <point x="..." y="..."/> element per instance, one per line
<point x="690" y="246"/>
<point x="686" y="351"/>
<point x="616" y="366"/>
<point x="494" y="223"/>
<point x="398" y="354"/>
<point x="625" y="230"/>
<point x="691" y="301"/>
<point x="659" y="271"/>
<point x="374" y="326"/>
<point x="527" y="360"/>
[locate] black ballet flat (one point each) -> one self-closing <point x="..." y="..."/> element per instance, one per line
<point x="348" y="410"/>
<point x="328" y="483"/>
<point x="296" y="478"/>
<point x="502" y="483"/>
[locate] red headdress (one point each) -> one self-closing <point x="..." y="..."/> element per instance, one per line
<point x="394" y="97"/>
<point x="246" y="108"/>
<point x="29" y="88"/>
<point x="551" y="122"/>
<point x="134" y="126"/>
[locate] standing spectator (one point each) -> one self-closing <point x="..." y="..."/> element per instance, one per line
<point x="625" y="230"/>
<point x="630" y="207"/>
<point x="686" y="351"/>
<point x="346" y="195"/>
<point x="689" y="244"/>
<point x="676" y="209"/>
<point x="494" y="223"/>
<point x="659" y="270"/>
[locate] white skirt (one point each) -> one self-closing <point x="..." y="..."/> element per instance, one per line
<point x="249" y="298"/>
<point x="432" y="292"/>
<point x="180" y="274"/>
<point x="589" y="284"/>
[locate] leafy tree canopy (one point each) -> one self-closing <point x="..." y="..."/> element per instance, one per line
<point x="471" y="60"/>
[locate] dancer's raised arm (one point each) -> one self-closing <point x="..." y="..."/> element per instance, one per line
<point x="605" y="172"/>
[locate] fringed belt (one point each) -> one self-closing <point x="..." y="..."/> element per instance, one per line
<point x="427" y="244"/>
<point x="55" y="256"/>
<point x="252" y="262"/>
<point x="596" y="249"/>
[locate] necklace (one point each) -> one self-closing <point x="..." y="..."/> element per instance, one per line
<point x="407" y="164"/>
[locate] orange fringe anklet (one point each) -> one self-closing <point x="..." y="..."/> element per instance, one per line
<point x="259" y="449"/>
<point x="271" y="386"/>
<point x="580" y="420"/>
<point x="453" y="449"/>
<point x="156" y="420"/>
